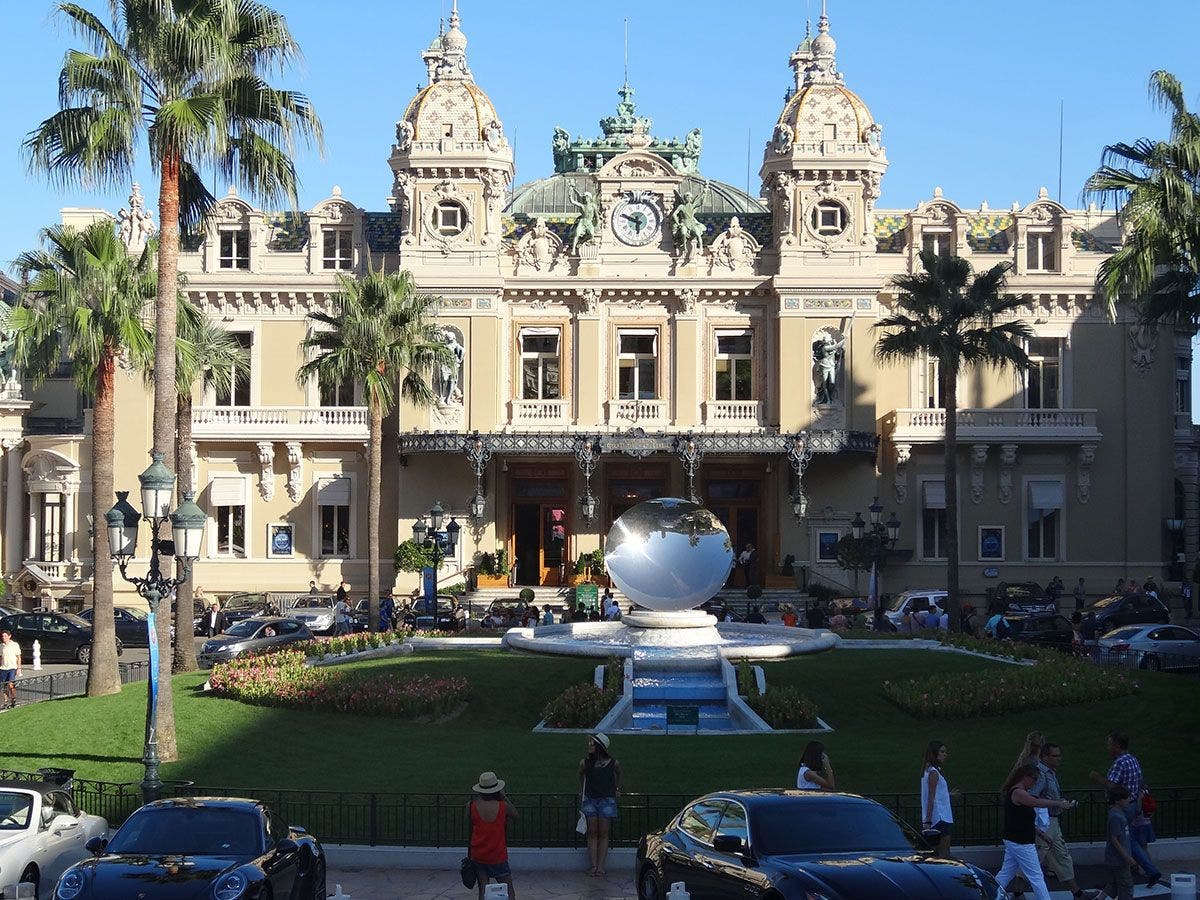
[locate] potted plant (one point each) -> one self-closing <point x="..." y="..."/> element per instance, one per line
<point x="492" y="569"/>
<point x="599" y="573"/>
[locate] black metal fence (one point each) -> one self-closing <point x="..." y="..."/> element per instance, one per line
<point x="1152" y="660"/>
<point x="548" y="820"/>
<point x="72" y="682"/>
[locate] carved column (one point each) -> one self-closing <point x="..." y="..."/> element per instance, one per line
<point x="979" y="454"/>
<point x="903" y="455"/>
<point x="1008" y="461"/>
<point x="295" y="488"/>
<point x="266" y="461"/>
<point x="1083" y="472"/>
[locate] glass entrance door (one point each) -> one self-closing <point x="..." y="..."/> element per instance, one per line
<point x="736" y="502"/>
<point x="540" y="526"/>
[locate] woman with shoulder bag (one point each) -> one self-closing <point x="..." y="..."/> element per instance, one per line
<point x="600" y="779"/>
<point x="488" y="815"/>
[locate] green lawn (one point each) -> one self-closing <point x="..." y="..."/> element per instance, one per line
<point x="876" y="748"/>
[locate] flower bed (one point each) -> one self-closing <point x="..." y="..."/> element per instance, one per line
<point x="579" y="706"/>
<point x="784" y="708"/>
<point x="282" y="679"/>
<point x="1055" y="680"/>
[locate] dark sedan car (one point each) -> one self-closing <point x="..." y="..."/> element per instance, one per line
<point x="243" y="606"/>
<point x="1112" y="612"/>
<point x="211" y="848"/>
<point x="131" y="625"/>
<point x="797" y="845"/>
<point x="62" y="636"/>
<point x="258" y="633"/>
<point x="1040" y="629"/>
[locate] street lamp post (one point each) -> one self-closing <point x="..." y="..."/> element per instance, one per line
<point x="882" y="536"/>
<point x="432" y="537"/>
<point x="187" y="531"/>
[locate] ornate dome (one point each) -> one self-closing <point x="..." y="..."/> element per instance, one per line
<point x="817" y="104"/>
<point x="456" y="102"/>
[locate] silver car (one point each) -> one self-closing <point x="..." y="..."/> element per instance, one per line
<point x="256" y="633"/>
<point x="314" y="611"/>
<point x="1151" y="647"/>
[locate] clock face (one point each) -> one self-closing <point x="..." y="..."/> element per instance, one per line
<point x="636" y="222"/>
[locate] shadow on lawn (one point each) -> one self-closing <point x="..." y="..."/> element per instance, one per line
<point x="65" y="757"/>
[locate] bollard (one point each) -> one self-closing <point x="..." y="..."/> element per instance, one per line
<point x="37" y="656"/>
<point x="496" y="892"/>
<point x="1183" y="887"/>
<point x="339" y="895"/>
<point x="678" y="891"/>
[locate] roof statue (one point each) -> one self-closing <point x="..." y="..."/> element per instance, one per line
<point x="587" y="226"/>
<point x="686" y="229"/>
<point x="624" y="132"/>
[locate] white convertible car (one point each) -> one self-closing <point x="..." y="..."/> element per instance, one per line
<point x="42" y="833"/>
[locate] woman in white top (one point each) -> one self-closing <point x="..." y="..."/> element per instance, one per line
<point x="816" y="772"/>
<point x="936" y="815"/>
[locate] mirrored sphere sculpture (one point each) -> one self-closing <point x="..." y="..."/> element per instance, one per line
<point x="668" y="555"/>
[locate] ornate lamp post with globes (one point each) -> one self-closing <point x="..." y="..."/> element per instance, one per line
<point x="440" y="543"/>
<point x="187" y="530"/>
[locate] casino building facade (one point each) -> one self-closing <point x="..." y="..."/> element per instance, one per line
<point x="629" y="329"/>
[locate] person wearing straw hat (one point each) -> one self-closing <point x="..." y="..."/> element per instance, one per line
<point x="488" y="815"/>
<point x="600" y="781"/>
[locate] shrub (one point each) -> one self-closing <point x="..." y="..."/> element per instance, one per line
<point x="281" y="679"/>
<point x="486" y="564"/>
<point x="597" y="563"/>
<point x="614" y="674"/>
<point x="747" y="684"/>
<point x="412" y="557"/>
<point x="821" y="593"/>
<point x="579" y="706"/>
<point x="754" y="592"/>
<point x="526" y="595"/>
<point x="501" y="561"/>
<point x="1054" y="681"/>
<point x="784" y="707"/>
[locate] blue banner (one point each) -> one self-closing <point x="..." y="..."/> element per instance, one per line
<point x="429" y="588"/>
<point x="152" y="633"/>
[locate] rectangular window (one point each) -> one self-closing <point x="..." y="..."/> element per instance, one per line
<point x="1183" y="385"/>
<point x="338" y="251"/>
<point x="934" y="532"/>
<point x="936" y="242"/>
<point x="231" y="531"/>
<point x="333" y="501"/>
<point x="52" y="524"/>
<point x="235" y="249"/>
<point x="540" y="364"/>
<point x="1039" y="251"/>
<point x="236" y="390"/>
<point x="1043" y="381"/>
<point x="637" y="365"/>
<point x="734" y="366"/>
<point x="1044" y="505"/>
<point x="931" y="386"/>
<point x="830" y="131"/>
<point x="337" y="393"/>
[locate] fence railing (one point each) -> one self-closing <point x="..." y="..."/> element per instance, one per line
<point x="1153" y="660"/>
<point x="72" y="682"/>
<point x="548" y="820"/>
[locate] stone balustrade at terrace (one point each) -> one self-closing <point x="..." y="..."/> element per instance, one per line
<point x="1015" y="426"/>
<point x="278" y="423"/>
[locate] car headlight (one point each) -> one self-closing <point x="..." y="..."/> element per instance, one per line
<point x="71" y="885"/>
<point x="231" y="886"/>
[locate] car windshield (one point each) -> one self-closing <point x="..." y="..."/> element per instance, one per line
<point x="15" y="810"/>
<point x="189" y="831"/>
<point x="246" y="601"/>
<point x="1019" y="592"/>
<point x="1108" y="601"/>
<point x="826" y="826"/>
<point x="898" y="603"/>
<point x="244" y="629"/>
<point x="314" y="603"/>
<point x="1123" y="634"/>
<point x="75" y="620"/>
<point x="139" y="614"/>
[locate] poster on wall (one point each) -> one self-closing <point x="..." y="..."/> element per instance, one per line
<point x="991" y="542"/>
<point x="281" y="539"/>
<point x="827" y="544"/>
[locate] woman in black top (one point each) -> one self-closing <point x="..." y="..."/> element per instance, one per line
<point x="1020" y="829"/>
<point x="600" y="781"/>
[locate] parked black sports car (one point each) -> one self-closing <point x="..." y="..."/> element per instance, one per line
<point x="1108" y="613"/>
<point x="211" y="848"/>
<point x="62" y="636"/>
<point x="798" y="845"/>
<point x="1042" y="629"/>
<point x="130" y="623"/>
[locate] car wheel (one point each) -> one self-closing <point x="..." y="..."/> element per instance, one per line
<point x="1152" y="662"/>
<point x="31" y="876"/>
<point x="84" y="654"/>
<point x="650" y="884"/>
<point x="266" y="893"/>
<point x="319" y="891"/>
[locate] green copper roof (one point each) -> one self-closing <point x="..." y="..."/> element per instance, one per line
<point x="550" y="197"/>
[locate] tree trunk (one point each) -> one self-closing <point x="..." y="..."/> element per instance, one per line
<point x="374" y="482"/>
<point x="104" y="676"/>
<point x="185" y="643"/>
<point x="164" y="414"/>
<point x="950" y="397"/>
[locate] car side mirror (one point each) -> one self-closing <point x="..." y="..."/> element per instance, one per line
<point x="96" y="845"/>
<point x="728" y="843"/>
<point x="287" y="845"/>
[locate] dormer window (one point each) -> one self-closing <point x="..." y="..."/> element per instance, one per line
<point x="338" y="248"/>
<point x="829" y="218"/>
<point x="235" y="249"/>
<point x="1040" y="251"/>
<point x="935" y="242"/>
<point x="449" y="218"/>
<point x="830" y="131"/>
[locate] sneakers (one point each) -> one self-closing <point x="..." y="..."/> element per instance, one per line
<point x="1157" y="879"/>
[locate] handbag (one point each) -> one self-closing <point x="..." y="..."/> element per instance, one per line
<point x="581" y="824"/>
<point x="466" y="871"/>
<point x="1149" y="805"/>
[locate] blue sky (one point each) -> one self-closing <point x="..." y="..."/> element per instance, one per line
<point x="968" y="93"/>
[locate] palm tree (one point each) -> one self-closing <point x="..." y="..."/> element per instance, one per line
<point x="379" y="334"/>
<point x="87" y="298"/>
<point x="189" y="75"/>
<point x="1158" y="185"/>
<point x="210" y="355"/>
<point x="961" y="319"/>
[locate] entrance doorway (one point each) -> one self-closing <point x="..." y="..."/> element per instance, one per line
<point x="540" y="525"/>
<point x="737" y="503"/>
<point x="630" y="485"/>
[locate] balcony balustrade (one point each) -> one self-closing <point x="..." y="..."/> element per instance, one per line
<point x="733" y="413"/>
<point x="239" y="423"/>
<point x="637" y="412"/>
<point x="1016" y="426"/>
<point x="539" y="413"/>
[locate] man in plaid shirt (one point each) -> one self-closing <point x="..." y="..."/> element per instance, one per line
<point x="1126" y="771"/>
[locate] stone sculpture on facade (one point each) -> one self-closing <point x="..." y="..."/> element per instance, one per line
<point x="448" y="372"/>
<point x="560" y="146"/>
<point x="734" y="249"/>
<point x="135" y="225"/>
<point x="1143" y="341"/>
<point x="295" y="455"/>
<point x="1008" y="461"/>
<point x="539" y="248"/>
<point x="266" y="462"/>
<point x="587" y="227"/>
<point x="979" y="453"/>
<point x="404" y="136"/>
<point x="783" y="138"/>
<point x="827" y="363"/>
<point x="686" y="229"/>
